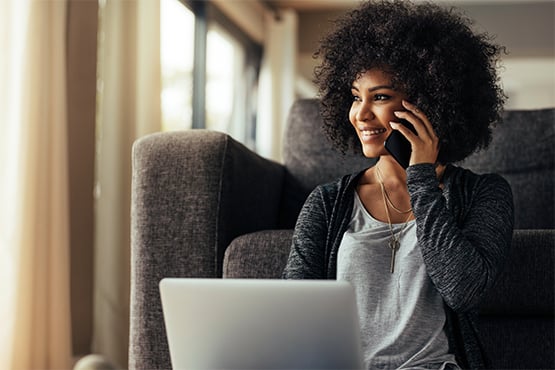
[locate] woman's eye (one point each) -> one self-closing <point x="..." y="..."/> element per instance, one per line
<point x="356" y="98"/>
<point x="381" y="97"/>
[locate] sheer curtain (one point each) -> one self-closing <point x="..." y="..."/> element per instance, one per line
<point x="128" y="107"/>
<point x="34" y="235"/>
<point x="277" y="82"/>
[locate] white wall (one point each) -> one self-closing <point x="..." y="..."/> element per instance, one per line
<point x="529" y="82"/>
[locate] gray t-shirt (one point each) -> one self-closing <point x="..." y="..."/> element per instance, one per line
<point x="402" y="315"/>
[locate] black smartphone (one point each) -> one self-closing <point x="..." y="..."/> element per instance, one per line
<point x="398" y="146"/>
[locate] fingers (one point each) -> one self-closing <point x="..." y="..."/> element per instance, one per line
<point x="413" y="109"/>
<point x="418" y="119"/>
<point x="407" y="132"/>
<point x="425" y="143"/>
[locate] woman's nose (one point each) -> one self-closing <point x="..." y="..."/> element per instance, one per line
<point x="364" y="113"/>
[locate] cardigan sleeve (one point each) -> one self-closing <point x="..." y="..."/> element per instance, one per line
<point x="464" y="250"/>
<point x="307" y="258"/>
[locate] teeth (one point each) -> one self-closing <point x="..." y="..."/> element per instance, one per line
<point x="373" y="132"/>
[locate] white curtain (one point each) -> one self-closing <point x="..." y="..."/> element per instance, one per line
<point x="128" y="108"/>
<point x="34" y="235"/>
<point x="277" y="82"/>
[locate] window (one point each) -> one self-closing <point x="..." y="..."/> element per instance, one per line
<point x="223" y="56"/>
<point x="227" y="101"/>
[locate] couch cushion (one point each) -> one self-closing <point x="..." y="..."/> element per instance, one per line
<point x="517" y="313"/>
<point x="258" y="255"/>
<point x="522" y="151"/>
<point x="525" y="287"/>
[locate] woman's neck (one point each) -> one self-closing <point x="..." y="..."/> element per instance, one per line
<point x="391" y="173"/>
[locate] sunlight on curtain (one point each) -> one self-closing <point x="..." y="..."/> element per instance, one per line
<point x="13" y="18"/>
<point x="34" y="249"/>
<point x="128" y="108"/>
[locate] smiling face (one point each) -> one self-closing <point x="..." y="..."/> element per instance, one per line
<point x="374" y="103"/>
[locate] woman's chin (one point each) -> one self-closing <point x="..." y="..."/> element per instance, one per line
<point x="372" y="152"/>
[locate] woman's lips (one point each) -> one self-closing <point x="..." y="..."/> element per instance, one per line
<point x="371" y="134"/>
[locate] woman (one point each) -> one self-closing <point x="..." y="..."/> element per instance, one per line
<point x="422" y="245"/>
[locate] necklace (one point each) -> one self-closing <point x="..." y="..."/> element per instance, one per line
<point x="386" y="195"/>
<point x="393" y="243"/>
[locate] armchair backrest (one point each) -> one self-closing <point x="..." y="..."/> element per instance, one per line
<point x="310" y="159"/>
<point x="308" y="155"/>
<point x="522" y="151"/>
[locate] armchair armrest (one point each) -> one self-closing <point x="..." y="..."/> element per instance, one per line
<point x="192" y="193"/>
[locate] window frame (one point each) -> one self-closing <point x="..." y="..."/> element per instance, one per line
<point x="207" y="13"/>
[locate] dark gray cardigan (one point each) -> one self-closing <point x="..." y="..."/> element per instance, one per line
<point x="464" y="232"/>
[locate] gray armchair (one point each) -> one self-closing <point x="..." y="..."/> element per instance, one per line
<point x="203" y="205"/>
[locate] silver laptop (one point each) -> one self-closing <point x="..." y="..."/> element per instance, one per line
<point x="261" y="324"/>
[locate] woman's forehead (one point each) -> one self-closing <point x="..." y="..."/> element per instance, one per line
<point x="375" y="77"/>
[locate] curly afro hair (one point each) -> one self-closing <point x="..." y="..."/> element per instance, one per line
<point x="432" y="54"/>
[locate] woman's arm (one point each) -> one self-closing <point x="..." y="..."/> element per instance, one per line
<point x="462" y="257"/>
<point x="307" y="259"/>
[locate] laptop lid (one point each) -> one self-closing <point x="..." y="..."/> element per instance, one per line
<point x="261" y="324"/>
